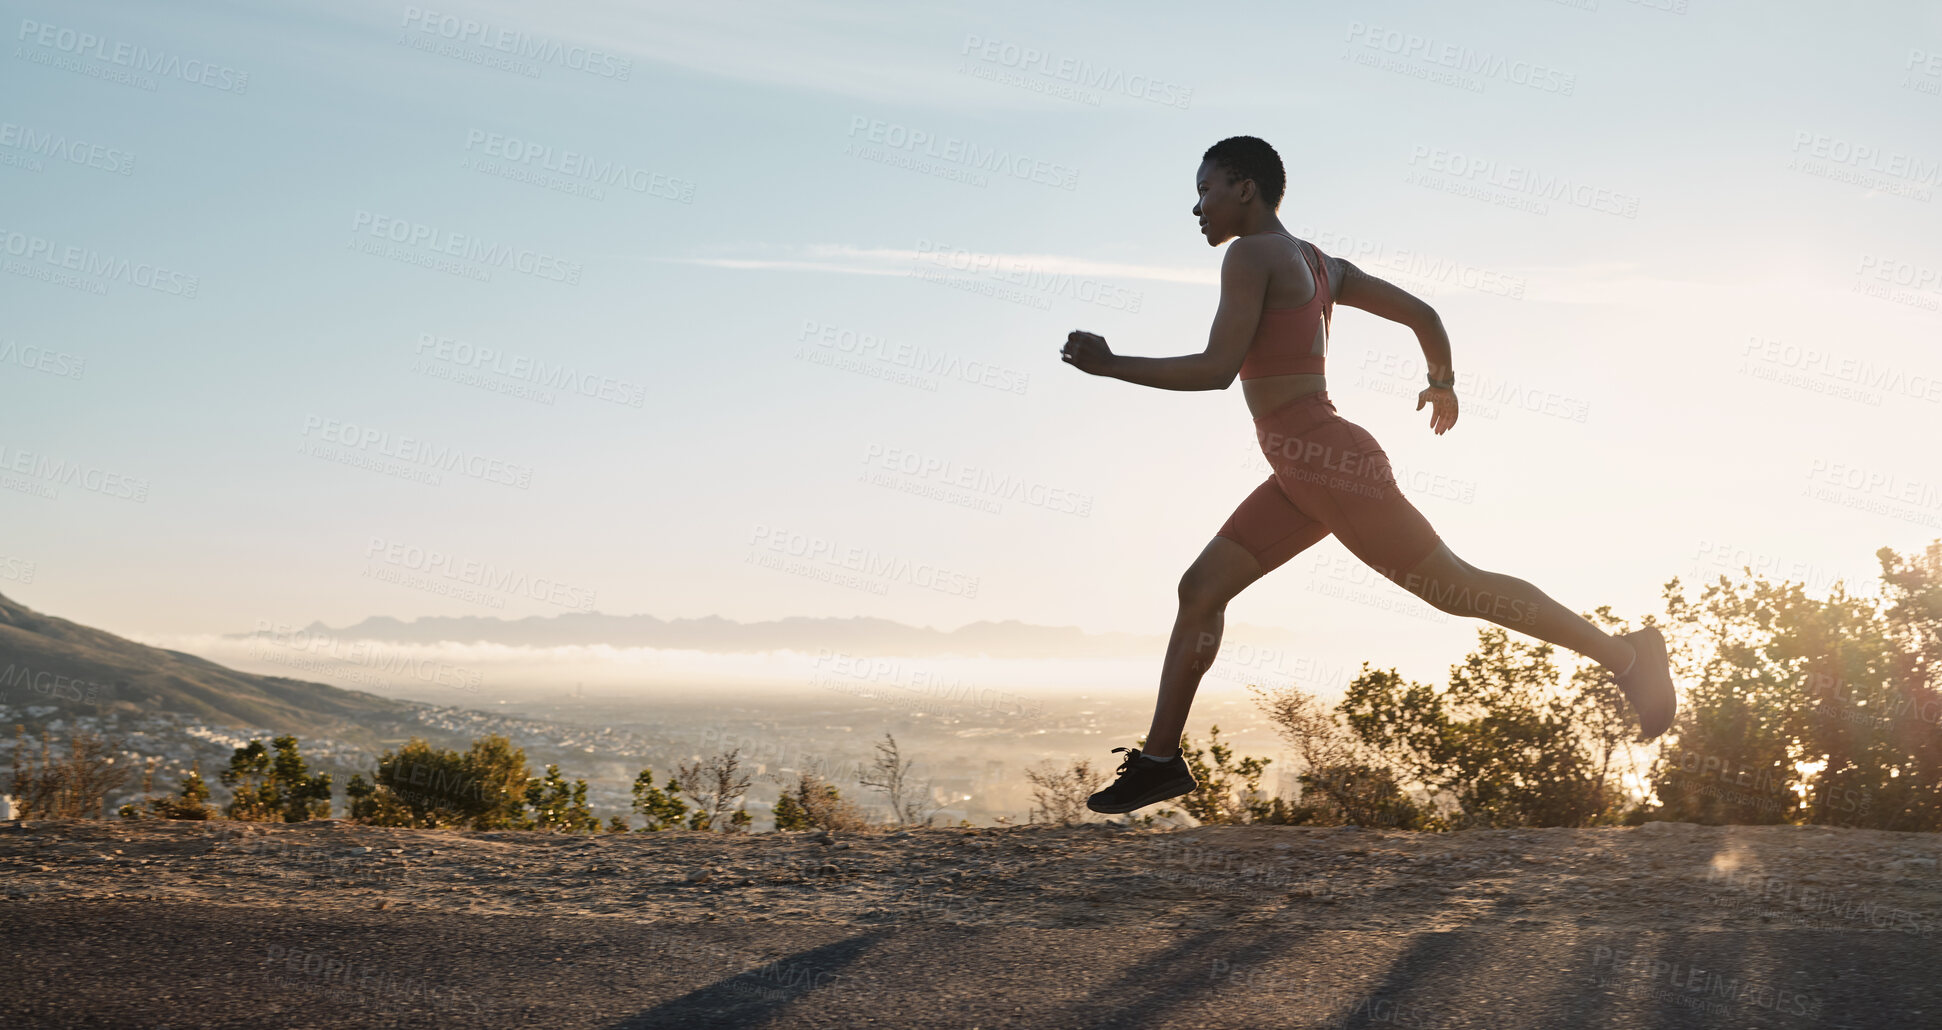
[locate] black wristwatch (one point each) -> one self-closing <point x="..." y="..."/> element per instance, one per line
<point x="1449" y="385"/>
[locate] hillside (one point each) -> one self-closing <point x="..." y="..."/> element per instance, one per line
<point x="50" y="661"/>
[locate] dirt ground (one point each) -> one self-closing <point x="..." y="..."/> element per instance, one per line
<point x="1659" y="876"/>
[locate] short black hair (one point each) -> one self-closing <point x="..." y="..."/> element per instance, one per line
<point x="1247" y="157"/>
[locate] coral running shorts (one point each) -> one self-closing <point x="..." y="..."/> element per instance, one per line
<point x="1329" y="477"/>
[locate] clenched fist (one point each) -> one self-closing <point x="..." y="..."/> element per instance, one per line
<point x="1086" y="352"/>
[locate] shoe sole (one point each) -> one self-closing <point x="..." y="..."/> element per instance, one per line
<point x="1651" y="691"/>
<point x="1158" y="794"/>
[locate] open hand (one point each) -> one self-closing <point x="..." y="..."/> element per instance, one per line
<point x="1443" y="407"/>
<point x="1086" y="351"/>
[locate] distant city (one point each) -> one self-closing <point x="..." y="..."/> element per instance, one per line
<point x="972" y="756"/>
<point x="967" y="733"/>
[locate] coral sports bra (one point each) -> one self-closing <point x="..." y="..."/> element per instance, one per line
<point x="1293" y="341"/>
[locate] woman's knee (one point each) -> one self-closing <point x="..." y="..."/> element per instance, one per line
<point x="1221" y="571"/>
<point x="1200" y="590"/>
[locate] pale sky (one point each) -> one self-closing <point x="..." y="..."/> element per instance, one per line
<point x="794" y="279"/>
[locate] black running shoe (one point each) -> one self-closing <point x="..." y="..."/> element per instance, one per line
<point x="1142" y="782"/>
<point x="1647" y="684"/>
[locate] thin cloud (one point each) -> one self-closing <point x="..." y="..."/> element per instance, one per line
<point x="852" y="260"/>
<point x="1592" y="283"/>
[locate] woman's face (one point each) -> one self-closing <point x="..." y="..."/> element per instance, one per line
<point x="1220" y="204"/>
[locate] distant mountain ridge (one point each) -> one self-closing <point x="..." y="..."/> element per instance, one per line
<point x="861" y="635"/>
<point x="50" y="661"/>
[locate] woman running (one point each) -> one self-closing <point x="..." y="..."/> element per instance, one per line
<point x="1330" y="476"/>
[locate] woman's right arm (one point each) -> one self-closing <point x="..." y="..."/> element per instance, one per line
<point x="1386" y="299"/>
<point x="1379" y="297"/>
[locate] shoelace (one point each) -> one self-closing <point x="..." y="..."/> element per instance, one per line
<point x="1126" y="764"/>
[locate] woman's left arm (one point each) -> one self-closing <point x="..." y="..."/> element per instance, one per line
<point x="1243" y="289"/>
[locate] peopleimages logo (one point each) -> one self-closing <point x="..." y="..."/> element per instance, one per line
<point x="441" y="457"/>
<point x="65" y="472"/>
<point x="1428" y="268"/>
<point x="417" y="235"/>
<point x="41" y="359"/>
<point x="54" y="684"/>
<point x="1519" y="179"/>
<point x="19" y="570"/>
<point x="369" y="659"/>
<point x="1901" y="273"/>
<point x="1028" y="275"/>
<point x="129" y="56"/>
<point x="866" y="673"/>
<point x="977" y="479"/>
<point x="473" y="572"/>
<point x="524" y="368"/>
<point x="1814" y="363"/>
<point x="90" y="263"/>
<point x="519" y="43"/>
<point x="1484" y="65"/>
<point x="1890" y="483"/>
<point x="898" y="136"/>
<point x="572" y="164"/>
<point x="1076" y="71"/>
<point x="33" y="142"/>
<point x="811" y="553"/>
<point x="915" y="357"/>
<point x="1902" y="165"/>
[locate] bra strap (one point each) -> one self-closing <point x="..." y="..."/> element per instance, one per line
<point x="1320" y="274"/>
<point x="1321" y="281"/>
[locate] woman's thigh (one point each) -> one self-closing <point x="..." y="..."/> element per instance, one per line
<point x="1271" y="527"/>
<point x="1336" y="473"/>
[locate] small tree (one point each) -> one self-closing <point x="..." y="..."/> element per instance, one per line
<point x="659" y="809"/>
<point x="790" y="813"/>
<point x="499" y="774"/>
<point x="890" y="774"/>
<point x="1503" y="741"/>
<point x="73" y="787"/>
<point x="275" y="784"/>
<point x="1061" y="794"/>
<point x="1357" y="794"/>
<point x="715" y="785"/>
<point x="374" y="804"/>
<point x="189" y="802"/>
<point x="560" y="806"/>
<point x="422" y="786"/>
<point x="817" y="805"/>
<point x="1343" y="781"/>
<point x="250" y="796"/>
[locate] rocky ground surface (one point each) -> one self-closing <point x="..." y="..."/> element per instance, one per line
<point x="1661" y="875"/>
<point x="322" y="925"/>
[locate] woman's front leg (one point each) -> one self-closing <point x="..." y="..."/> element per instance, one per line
<point x="1223" y="570"/>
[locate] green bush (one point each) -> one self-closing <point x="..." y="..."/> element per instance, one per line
<point x="484" y="788"/>
<point x="274" y="785"/>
